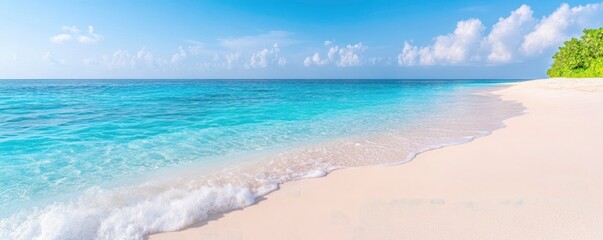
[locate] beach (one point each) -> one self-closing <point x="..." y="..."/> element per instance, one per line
<point x="540" y="177"/>
<point x="159" y="155"/>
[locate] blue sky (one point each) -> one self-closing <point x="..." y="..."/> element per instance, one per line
<point x="287" y="39"/>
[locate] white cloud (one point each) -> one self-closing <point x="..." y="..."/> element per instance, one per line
<point x="179" y="56"/>
<point x="221" y="61"/>
<point x="259" y="59"/>
<point x="375" y="60"/>
<point x="61" y="38"/>
<point x="258" y="41"/>
<point x="187" y="58"/>
<point x="328" y="43"/>
<point x="125" y="59"/>
<point x="120" y="58"/>
<point x="453" y="48"/>
<point x="281" y="61"/>
<point x="91" y="37"/>
<point x="230" y="60"/>
<point x="73" y="33"/>
<point x="265" y="57"/>
<point x="562" y="24"/>
<point x="347" y="56"/>
<point x="408" y="55"/>
<point x="72" y="29"/>
<point x="229" y="52"/>
<point x="506" y="35"/>
<point x="145" y="56"/>
<point x="513" y="38"/>
<point x="316" y="60"/>
<point x="52" y="60"/>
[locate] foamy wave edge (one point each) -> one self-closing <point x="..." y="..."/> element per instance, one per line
<point x="135" y="211"/>
<point x="94" y="215"/>
<point x="131" y="213"/>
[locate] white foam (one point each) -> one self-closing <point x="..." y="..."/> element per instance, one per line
<point x="131" y="212"/>
<point x="134" y="211"/>
<point x="120" y="214"/>
<point x="316" y="173"/>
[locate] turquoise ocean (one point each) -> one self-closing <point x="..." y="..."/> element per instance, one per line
<point x="118" y="159"/>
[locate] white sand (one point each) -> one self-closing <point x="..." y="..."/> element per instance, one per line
<point x="541" y="177"/>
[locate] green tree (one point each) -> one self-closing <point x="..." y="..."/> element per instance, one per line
<point x="580" y="58"/>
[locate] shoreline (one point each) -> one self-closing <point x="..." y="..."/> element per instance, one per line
<point x="173" y="198"/>
<point x="432" y="197"/>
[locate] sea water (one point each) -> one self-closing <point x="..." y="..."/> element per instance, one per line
<point x="118" y="159"/>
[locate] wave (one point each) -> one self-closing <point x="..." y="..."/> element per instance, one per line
<point x="179" y="200"/>
<point x="118" y="214"/>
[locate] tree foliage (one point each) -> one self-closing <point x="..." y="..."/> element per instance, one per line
<point x="580" y="58"/>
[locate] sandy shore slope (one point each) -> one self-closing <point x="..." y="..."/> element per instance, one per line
<point x="541" y="177"/>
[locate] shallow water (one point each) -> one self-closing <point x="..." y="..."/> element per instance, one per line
<point x="122" y="158"/>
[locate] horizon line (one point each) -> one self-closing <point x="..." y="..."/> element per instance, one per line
<point x="3" y="79"/>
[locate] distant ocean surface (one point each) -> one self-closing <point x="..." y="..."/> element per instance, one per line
<point x="118" y="159"/>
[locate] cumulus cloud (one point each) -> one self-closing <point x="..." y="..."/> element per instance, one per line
<point x="230" y="59"/>
<point x="197" y="54"/>
<point x="90" y="37"/>
<point x="74" y="34"/>
<point x="124" y="58"/>
<point x="179" y="56"/>
<point x="507" y="34"/>
<point x="563" y="23"/>
<point x="453" y="48"/>
<point x="186" y="58"/>
<point x="266" y="57"/>
<point x="220" y="61"/>
<point x="512" y="38"/>
<point x="52" y="60"/>
<point x="224" y="57"/>
<point x="316" y="60"/>
<point x="346" y="56"/>
<point x="409" y="55"/>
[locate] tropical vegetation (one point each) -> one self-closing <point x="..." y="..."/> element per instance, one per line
<point x="580" y="58"/>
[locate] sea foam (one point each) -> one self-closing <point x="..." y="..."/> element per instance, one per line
<point x="122" y="214"/>
<point x="389" y="132"/>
